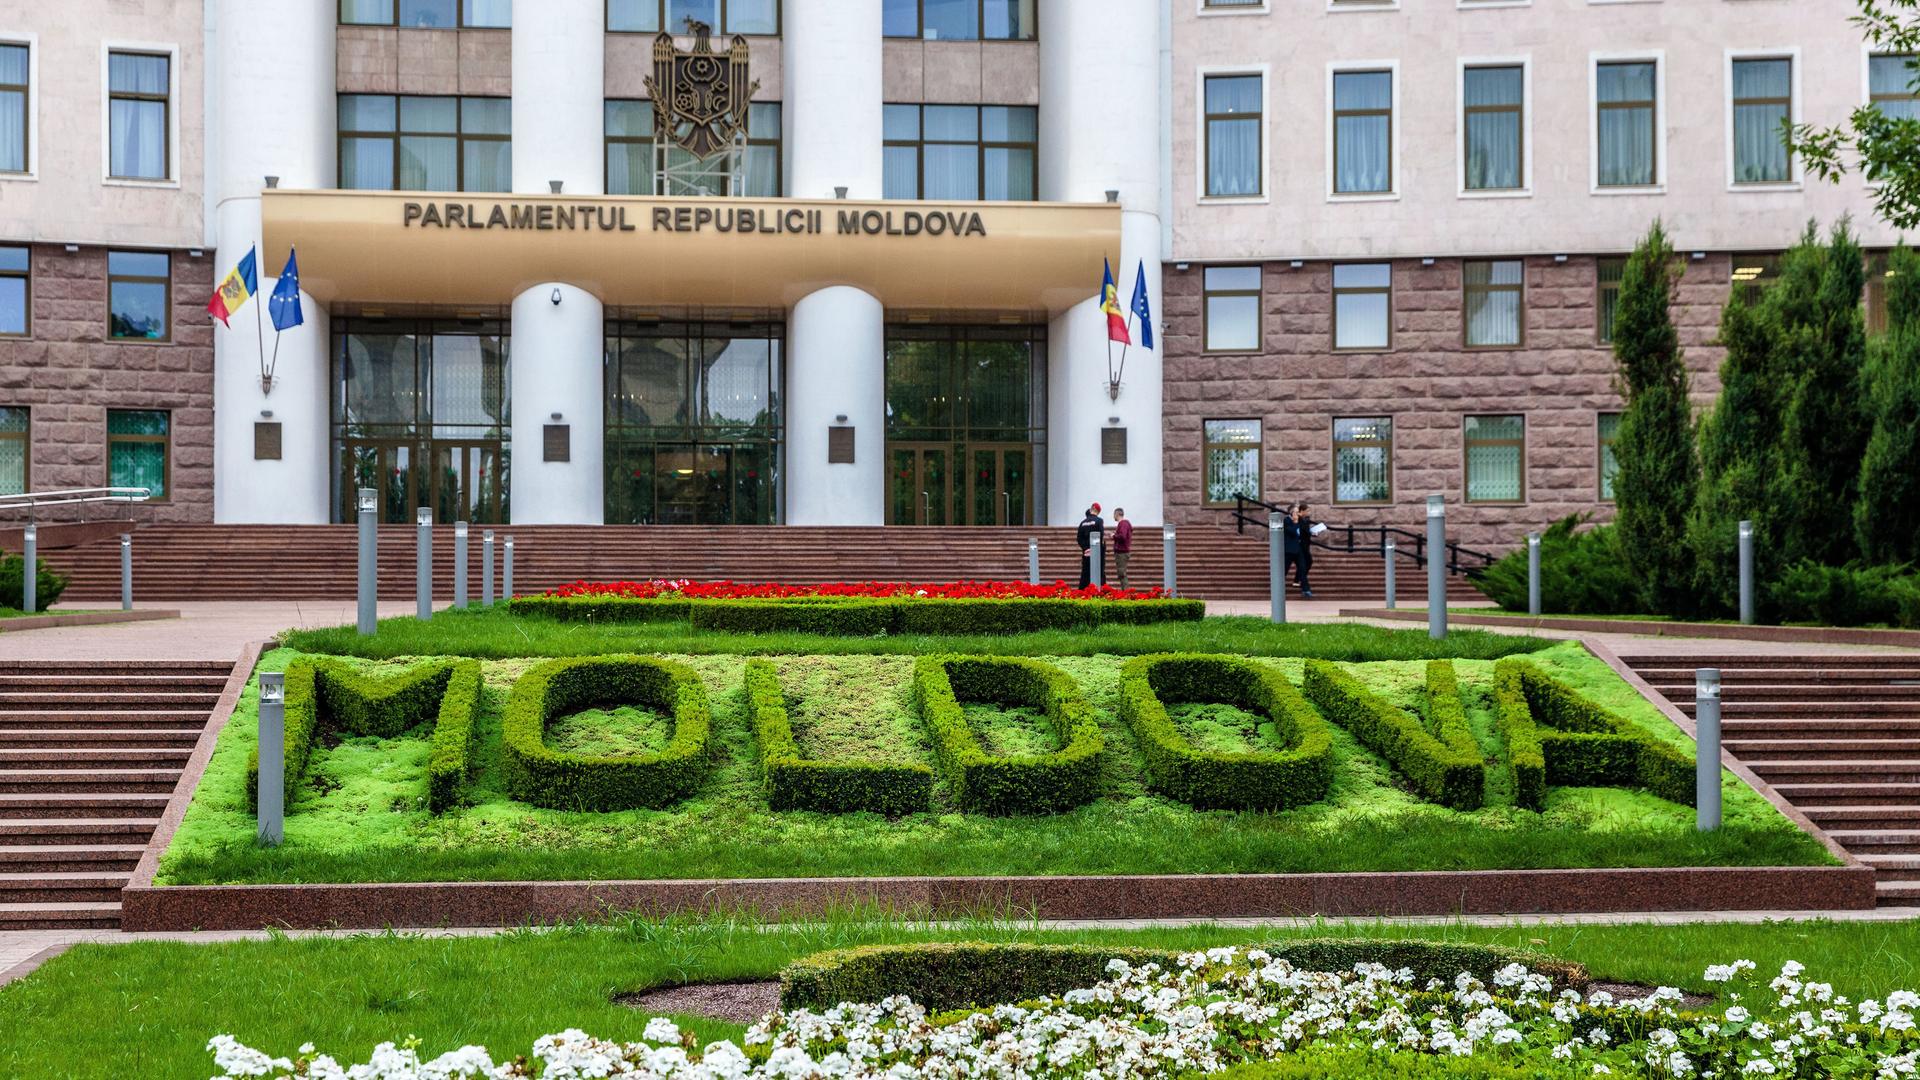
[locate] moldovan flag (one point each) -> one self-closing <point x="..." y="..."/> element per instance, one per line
<point x="1110" y="303"/>
<point x="233" y="292"/>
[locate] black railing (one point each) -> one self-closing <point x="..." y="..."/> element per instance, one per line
<point x="1408" y="544"/>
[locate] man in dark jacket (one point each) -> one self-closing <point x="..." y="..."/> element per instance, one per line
<point x="1091" y="526"/>
<point x="1292" y="541"/>
<point x="1303" y="524"/>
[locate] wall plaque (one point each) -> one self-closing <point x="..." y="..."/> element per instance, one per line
<point x="266" y="440"/>
<point x="1113" y="446"/>
<point x="557" y="442"/>
<point x="840" y="444"/>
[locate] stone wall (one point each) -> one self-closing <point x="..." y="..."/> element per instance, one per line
<point x="68" y="374"/>
<point x="1428" y="381"/>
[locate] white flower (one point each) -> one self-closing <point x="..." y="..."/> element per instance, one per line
<point x="661" y="1030"/>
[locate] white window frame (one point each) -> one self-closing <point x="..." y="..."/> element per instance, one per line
<point x="32" y="41"/>
<point x="1200" y="75"/>
<point x="1525" y="63"/>
<point x="174" y="164"/>
<point x="1395" y="125"/>
<point x="1347" y="6"/>
<point x="1796" y="177"/>
<point x="1868" y="51"/>
<point x="1264" y="7"/>
<point x="1477" y="5"/>
<point x="1656" y="57"/>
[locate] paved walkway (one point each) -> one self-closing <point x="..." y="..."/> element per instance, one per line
<point x="205" y="630"/>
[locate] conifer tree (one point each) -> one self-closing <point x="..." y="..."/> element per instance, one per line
<point x="1887" y="517"/>
<point x="1826" y="422"/>
<point x="1739" y="456"/>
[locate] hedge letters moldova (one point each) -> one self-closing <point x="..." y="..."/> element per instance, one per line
<point x="1017" y="784"/>
<point x="535" y="774"/>
<point x="832" y="787"/>
<point x="1555" y="736"/>
<point x="1444" y="765"/>
<point x="865" y="616"/>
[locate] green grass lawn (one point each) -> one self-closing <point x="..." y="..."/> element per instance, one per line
<point x="147" y="1009"/>
<point x="362" y="816"/>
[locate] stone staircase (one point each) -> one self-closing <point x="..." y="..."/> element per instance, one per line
<point x="90" y="752"/>
<point x="1837" y="736"/>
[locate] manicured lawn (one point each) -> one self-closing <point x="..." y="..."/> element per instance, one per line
<point x="147" y="1009"/>
<point x="361" y="814"/>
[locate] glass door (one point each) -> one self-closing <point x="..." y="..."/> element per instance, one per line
<point x="997" y="479"/>
<point x="919" y="487"/>
<point x="388" y="466"/>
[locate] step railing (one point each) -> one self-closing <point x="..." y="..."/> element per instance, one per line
<point x="1408" y="544"/>
<point x="30" y="501"/>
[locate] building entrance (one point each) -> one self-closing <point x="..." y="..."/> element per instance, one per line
<point x="967" y="484"/>
<point x="966" y="410"/>
<point x="459" y="480"/>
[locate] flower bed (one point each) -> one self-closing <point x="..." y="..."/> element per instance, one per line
<point x="688" y="589"/>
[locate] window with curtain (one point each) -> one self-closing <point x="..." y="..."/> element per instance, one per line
<point x="1762" y="107"/>
<point x="428" y="14"/>
<point x="960" y="20"/>
<point x="1608" y="270"/>
<point x="1234" y="134"/>
<point x="1496" y="458"/>
<point x="1363" y="459"/>
<point x="1891" y="86"/>
<point x="139" y="291"/>
<point x="14" y="111"/>
<point x="1231" y="449"/>
<point x="1362" y="132"/>
<point x="1495" y="297"/>
<point x="1362" y="306"/>
<point x="630" y="159"/>
<point x="138" y="450"/>
<point x="724" y="16"/>
<point x="1627" y="109"/>
<point x="16" y="267"/>
<point x="138" y="85"/>
<point x="16" y="445"/>
<point x="961" y="152"/>
<point x="1230" y="308"/>
<point x="409" y="143"/>
<point x="1494" y="99"/>
<point x="1608" y="429"/>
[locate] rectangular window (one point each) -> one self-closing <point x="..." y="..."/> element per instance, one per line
<point x="1891" y="85"/>
<point x="1362" y="132"/>
<point x="1230" y="308"/>
<point x="407" y="143"/>
<point x="1494" y="99"/>
<point x="1627" y="110"/>
<point x="960" y="20"/>
<point x="16" y="450"/>
<point x="1606" y="301"/>
<point x="14" y="111"/>
<point x="137" y="450"/>
<point x="16" y="290"/>
<point x="1363" y="460"/>
<point x="139" y="295"/>
<point x="1495" y="296"/>
<point x="1762" y="107"/>
<point x="1235" y="132"/>
<point x="1231" y="451"/>
<point x="1609" y="429"/>
<point x="962" y="152"/>
<point x="632" y="168"/>
<point x="1755" y="273"/>
<point x="723" y="16"/>
<point x="1496" y="458"/>
<point x="138" y="88"/>
<point x="1362" y="306"/>
<point x="428" y="14"/>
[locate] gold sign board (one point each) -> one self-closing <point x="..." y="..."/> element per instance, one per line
<point x="368" y="247"/>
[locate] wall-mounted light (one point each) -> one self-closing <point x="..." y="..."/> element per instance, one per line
<point x="555" y="296"/>
<point x="266" y="414"/>
<point x="1559" y="258"/>
<point x="1182" y="267"/>
<point x="555" y="186"/>
<point x="840" y="191"/>
<point x="555" y="417"/>
<point x="840" y="418"/>
<point x="273" y="182"/>
<point x="1297" y="264"/>
<point x="1698" y="255"/>
<point x="195" y="252"/>
<point x="1426" y="262"/>
<point x="1113" y="195"/>
<point x="73" y="249"/>
<point x="1113" y="420"/>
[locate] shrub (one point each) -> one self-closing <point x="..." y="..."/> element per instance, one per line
<point x="1205" y="779"/>
<point x="991" y="616"/>
<point x="1848" y="595"/>
<point x="535" y="774"/>
<point x="450" y="759"/>
<point x="602" y="608"/>
<point x="1886" y="520"/>
<point x="1581" y="573"/>
<point x="48" y="583"/>
<point x="865" y="616"/>
<point x="831" y="787"/>
<point x="1008" y="784"/>
<point x="837" y="618"/>
<point x="1555" y="736"/>
<point x="1444" y="765"/>
<point x="361" y="704"/>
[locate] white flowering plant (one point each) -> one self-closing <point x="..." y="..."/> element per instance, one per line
<point x="1217" y="1009"/>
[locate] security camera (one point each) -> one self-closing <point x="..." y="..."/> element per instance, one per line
<point x="555" y="298"/>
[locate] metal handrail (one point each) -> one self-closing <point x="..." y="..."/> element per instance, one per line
<point x="32" y="500"/>
<point x="1414" y="549"/>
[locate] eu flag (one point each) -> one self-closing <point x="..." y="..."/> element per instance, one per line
<point x="284" y="304"/>
<point x="1142" y="307"/>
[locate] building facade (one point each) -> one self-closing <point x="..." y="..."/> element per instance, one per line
<point x="834" y="261"/>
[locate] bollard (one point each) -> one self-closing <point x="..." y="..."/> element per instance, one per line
<point x="1436" y="567"/>
<point x="1706" y="748"/>
<point x="30" y="569"/>
<point x="486" y="568"/>
<point x="1533" y="573"/>
<point x="369" y="506"/>
<point x="423" y="562"/>
<point x="1276" y="569"/>
<point x="1033" y="560"/>
<point x="272" y="784"/>
<point x="1170" y="563"/>
<point x="460" y="565"/>
<point x="506" y="571"/>
<point x="1096" y="561"/>
<point x="1391" y="602"/>
<point x="126" y="572"/>
<point x="1747" y="613"/>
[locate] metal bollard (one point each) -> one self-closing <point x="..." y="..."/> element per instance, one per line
<point x="1747" y="612"/>
<point x="506" y="571"/>
<point x="1706" y="748"/>
<point x="1033" y="560"/>
<point x="460" y="565"/>
<point x="272" y="783"/>
<point x="1436" y="567"/>
<point x="486" y="568"/>
<point x="126" y="572"/>
<point x="30" y="569"/>
<point x="369" y="507"/>
<point x="1276" y="569"/>
<point x="1533" y="573"/>
<point x="1096" y="559"/>
<point x="1392" y="603"/>
<point x="1169" y="552"/>
<point x="423" y="563"/>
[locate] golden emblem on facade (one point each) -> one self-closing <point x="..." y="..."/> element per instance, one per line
<point x="700" y="98"/>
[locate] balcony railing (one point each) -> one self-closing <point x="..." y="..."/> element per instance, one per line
<point x="1408" y="544"/>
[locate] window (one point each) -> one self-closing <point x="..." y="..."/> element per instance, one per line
<point x="1230" y="309"/>
<point x="139" y="293"/>
<point x="1762" y="107"/>
<point x="1495" y="296"/>
<point x="631" y="167"/>
<point x="1626" y="124"/>
<point x="1494" y="99"/>
<point x="1235" y="130"/>
<point x="392" y="143"/>
<point x="440" y="14"/>
<point x="1753" y="274"/>
<point x="1890" y="85"/>
<point x="137" y="102"/>
<point x="1496" y="458"/>
<point x="137" y="449"/>
<point x="1363" y="460"/>
<point x="959" y="20"/>
<point x="1231" y="4"/>
<point x="1878" y="271"/>
<point x="1232" y="455"/>
<point x="1609" y="271"/>
<point x="16" y="445"/>
<point x="15" y="277"/>
<point x="1609" y="430"/>
<point x="962" y="152"/>
<point x="1362" y="306"/>
<point x="724" y="16"/>
<point x="14" y="73"/>
<point x="1362" y="132"/>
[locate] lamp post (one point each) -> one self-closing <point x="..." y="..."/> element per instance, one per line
<point x="1276" y="570"/>
<point x="506" y="571"/>
<point x="368" y="503"/>
<point x="1706" y="749"/>
<point x="1533" y="573"/>
<point x="1391" y="602"/>
<point x="271" y="782"/>
<point x="126" y="571"/>
<point x="1436" y="568"/>
<point x="460" y="565"/>
<point x="1098" y="556"/>
<point x="1033" y="560"/>
<point x="486" y="568"/>
<point x="30" y="569"/>
<point x="1748" y="614"/>
<point x="423" y="559"/>
<point x="1169" y="561"/>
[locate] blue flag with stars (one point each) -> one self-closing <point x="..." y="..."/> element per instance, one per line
<point x="284" y="304"/>
<point x="1142" y="307"/>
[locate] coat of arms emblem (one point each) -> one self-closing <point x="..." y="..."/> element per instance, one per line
<point x="700" y="98"/>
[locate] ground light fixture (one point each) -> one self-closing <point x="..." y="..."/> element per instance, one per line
<point x="271" y="783"/>
<point x="423" y="564"/>
<point x="1436" y="567"/>
<point x="368" y="501"/>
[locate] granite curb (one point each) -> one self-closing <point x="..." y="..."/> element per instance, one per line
<point x="83" y="618"/>
<point x="1806" y="635"/>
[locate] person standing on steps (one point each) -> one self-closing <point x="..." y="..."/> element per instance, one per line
<point x="1090" y="526"/>
<point x="1292" y="541"/>
<point x="1304" y="523"/>
<point x="1122" y="545"/>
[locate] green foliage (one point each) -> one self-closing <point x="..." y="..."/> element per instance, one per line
<point x="1315" y="1064"/>
<point x="1014" y="784"/>
<point x="1443" y="765"/>
<point x="301" y="717"/>
<point x="452" y="756"/>
<point x="850" y="617"/>
<point x="1885" y="149"/>
<point x="536" y="774"/>
<point x="602" y="609"/>
<point x="858" y="616"/>
<point x="48" y="583"/>
<point x="797" y="783"/>
<point x="1555" y="736"/>
<point x="1581" y="573"/>
<point x="1850" y="595"/>
<point x="361" y="704"/>
<point x="1297" y="775"/>
<point x="1886" y="520"/>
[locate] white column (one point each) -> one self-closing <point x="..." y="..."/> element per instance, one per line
<point x="836" y="346"/>
<point x="831" y="53"/>
<point x="1100" y="104"/>
<point x="559" y="85"/>
<point x="271" y="99"/>
<point x="557" y="350"/>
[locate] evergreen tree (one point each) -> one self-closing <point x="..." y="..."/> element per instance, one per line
<point x="1887" y="518"/>
<point x="1739" y="456"/>
<point x="1654" y="486"/>
<point x="1826" y="421"/>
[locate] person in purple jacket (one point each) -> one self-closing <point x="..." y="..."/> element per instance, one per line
<point x="1122" y="545"/>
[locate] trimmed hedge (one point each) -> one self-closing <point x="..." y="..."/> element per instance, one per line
<point x="851" y="617"/>
<point x="1210" y="780"/>
<point x="858" y="616"/>
<point x="1018" y="784"/>
<point x="301" y="718"/>
<point x="1444" y="766"/>
<point x="830" y="787"/>
<point x="941" y="975"/>
<point x="451" y="757"/>
<point x="536" y="774"/>
<point x="1555" y="736"/>
<point x="603" y="608"/>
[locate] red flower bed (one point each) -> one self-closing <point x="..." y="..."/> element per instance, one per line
<point x="764" y="590"/>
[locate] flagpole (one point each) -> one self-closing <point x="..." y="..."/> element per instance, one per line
<point x="260" y="336"/>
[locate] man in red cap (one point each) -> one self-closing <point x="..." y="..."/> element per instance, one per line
<point x="1091" y="526"/>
